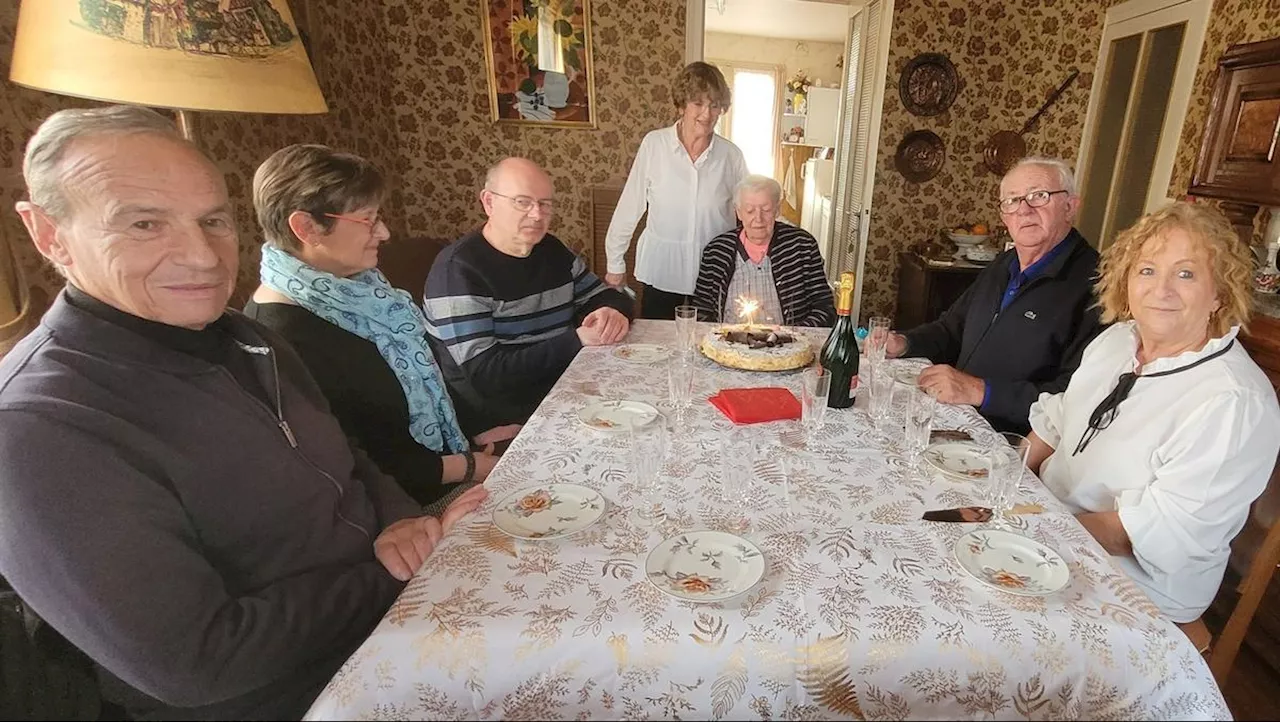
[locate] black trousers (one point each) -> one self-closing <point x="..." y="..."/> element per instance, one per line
<point x="658" y="304"/>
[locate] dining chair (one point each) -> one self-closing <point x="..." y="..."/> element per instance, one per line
<point x="1256" y="576"/>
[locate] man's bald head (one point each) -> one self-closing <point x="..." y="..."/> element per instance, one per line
<point x="518" y="198"/>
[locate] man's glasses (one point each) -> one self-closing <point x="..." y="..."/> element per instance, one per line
<point x="524" y="204"/>
<point x="372" y="223"/>
<point x="1034" y="199"/>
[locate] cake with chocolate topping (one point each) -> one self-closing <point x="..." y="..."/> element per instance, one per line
<point x="753" y="347"/>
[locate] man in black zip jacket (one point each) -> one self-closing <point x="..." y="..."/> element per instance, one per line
<point x="1020" y="329"/>
<point x="176" y="499"/>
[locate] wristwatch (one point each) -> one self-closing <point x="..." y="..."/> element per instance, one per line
<point x="470" y="474"/>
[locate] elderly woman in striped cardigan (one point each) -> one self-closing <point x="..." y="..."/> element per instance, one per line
<point x="774" y="264"/>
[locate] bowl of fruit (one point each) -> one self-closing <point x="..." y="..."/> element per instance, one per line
<point x="967" y="236"/>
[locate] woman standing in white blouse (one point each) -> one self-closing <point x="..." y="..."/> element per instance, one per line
<point x="684" y="175"/>
<point x="1168" y="430"/>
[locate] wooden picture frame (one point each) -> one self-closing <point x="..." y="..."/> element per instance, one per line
<point x="539" y="64"/>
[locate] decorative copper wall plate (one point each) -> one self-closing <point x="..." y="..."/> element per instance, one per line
<point x="929" y="84"/>
<point x="920" y="155"/>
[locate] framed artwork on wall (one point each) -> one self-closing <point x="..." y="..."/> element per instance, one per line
<point x="538" y="57"/>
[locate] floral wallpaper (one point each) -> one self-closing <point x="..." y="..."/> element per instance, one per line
<point x="440" y="111"/>
<point x="346" y="55"/>
<point x="1009" y="59"/>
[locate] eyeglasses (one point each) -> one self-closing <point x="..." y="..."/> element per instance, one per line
<point x="524" y="204"/>
<point x="1034" y="199"/>
<point x="370" y="222"/>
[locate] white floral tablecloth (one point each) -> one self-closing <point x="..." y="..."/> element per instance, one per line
<point x="863" y="611"/>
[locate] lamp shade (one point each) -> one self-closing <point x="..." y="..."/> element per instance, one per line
<point x="228" y="55"/>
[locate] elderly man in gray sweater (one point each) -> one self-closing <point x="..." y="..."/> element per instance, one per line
<point x="175" y="497"/>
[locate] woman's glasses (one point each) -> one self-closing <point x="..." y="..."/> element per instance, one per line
<point x="370" y="222"/>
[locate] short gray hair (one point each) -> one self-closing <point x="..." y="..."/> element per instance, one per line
<point x="47" y="147"/>
<point x="1066" y="177"/>
<point x="755" y="183"/>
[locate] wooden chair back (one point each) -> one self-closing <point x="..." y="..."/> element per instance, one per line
<point x="407" y="261"/>
<point x="1257" y="574"/>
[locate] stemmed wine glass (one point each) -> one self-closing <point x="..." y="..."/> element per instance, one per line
<point x="1008" y="462"/>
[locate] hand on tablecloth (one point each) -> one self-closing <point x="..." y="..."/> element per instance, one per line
<point x="952" y="386"/>
<point x="603" y="326"/>
<point x="492" y="441"/>
<point x="406" y="544"/>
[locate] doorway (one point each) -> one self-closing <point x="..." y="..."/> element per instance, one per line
<point x="829" y="63"/>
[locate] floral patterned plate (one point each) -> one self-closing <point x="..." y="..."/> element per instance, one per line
<point x="550" y="511"/>
<point x="705" y="566"/>
<point x="614" y="416"/>
<point x="1011" y="563"/>
<point x="642" y="353"/>
<point x="959" y="459"/>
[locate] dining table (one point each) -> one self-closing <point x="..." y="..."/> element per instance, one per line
<point x="862" y="611"/>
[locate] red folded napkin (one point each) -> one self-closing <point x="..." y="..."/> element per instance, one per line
<point x="754" y="406"/>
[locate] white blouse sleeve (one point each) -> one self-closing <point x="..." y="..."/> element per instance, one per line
<point x="1206" y="477"/>
<point x="1046" y="418"/>
<point x="631" y="206"/>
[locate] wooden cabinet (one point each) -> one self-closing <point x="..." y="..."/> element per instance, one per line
<point x="1238" y="159"/>
<point x="926" y="290"/>
<point x="824" y="109"/>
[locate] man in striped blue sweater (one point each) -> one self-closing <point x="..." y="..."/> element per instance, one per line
<point x="508" y="306"/>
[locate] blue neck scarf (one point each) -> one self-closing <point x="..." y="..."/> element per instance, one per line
<point x="368" y="306"/>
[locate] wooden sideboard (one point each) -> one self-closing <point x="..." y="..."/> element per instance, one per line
<point x="925" y="290"/>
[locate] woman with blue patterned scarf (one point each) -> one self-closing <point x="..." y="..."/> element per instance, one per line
<point x="363" y="340"/>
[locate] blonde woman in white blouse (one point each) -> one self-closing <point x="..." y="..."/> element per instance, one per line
<point x="684" y="176"/>
<point x="1168" y="430"/>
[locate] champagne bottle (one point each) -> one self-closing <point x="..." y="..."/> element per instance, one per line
<point x="840" y="352"/>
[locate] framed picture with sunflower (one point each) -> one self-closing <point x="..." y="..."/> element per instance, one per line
<point x="538" y="54"/>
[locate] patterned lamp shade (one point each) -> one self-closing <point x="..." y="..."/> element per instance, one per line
<point x="228" y="55"/>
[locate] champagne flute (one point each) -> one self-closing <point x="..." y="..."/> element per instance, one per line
<point x="918" y="424"/>
<point x="814" y="388"/>
<point x="686" y="329"/>
<point x="680" y="386"/>
<point x="648" y="450"/>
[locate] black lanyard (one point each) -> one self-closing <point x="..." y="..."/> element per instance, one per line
<point x="1109" y="408"/>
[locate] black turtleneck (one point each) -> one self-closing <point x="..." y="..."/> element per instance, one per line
<point x="214" y="343"/>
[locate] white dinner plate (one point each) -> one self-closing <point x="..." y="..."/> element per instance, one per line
<point x="959" y="459"/>
<point x="614" y="416"/>
<point x="642" y="353"/>
<point x="549" y="511"/>
<point x="705" y="566"/>
<point x="1011" y="562"/>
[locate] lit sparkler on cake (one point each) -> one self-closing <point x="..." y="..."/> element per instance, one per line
<point x="747" y="308"/>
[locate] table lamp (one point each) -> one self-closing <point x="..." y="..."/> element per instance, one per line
<point x="187" y="55"/>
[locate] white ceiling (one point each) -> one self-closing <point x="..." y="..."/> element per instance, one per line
<point x="792" y="19"/>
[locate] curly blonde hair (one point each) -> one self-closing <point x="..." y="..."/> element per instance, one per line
<point x="1230" y="261"/>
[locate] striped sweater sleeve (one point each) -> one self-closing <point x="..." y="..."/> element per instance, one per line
<point x="714" y="275"/>
<point x="590" y="293"/>
<point x="800" y="276"/>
